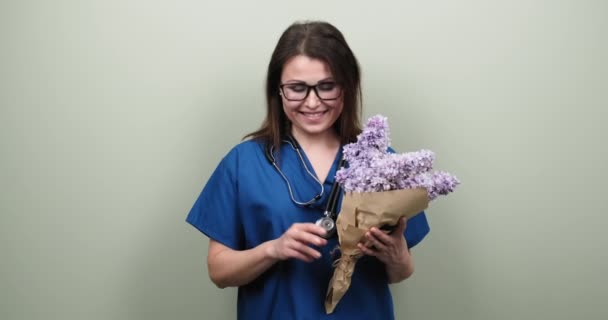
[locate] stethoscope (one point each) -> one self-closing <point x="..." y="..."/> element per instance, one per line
<point x="327" y="222"/>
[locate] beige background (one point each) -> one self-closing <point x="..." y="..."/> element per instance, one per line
<point x="114" y="113"/>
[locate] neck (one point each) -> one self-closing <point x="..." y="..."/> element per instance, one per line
<point x="326" y="139"/>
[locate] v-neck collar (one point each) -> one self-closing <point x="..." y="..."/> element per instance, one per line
<point x="331" y="174"/>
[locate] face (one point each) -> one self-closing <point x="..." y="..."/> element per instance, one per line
<point x="312" y="116"/>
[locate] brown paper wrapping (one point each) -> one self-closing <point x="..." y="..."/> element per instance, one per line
<point x="360" y="212"/>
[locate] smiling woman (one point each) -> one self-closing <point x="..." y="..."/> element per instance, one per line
<point x="265" y="241"/>
<point x="310" y="114"/>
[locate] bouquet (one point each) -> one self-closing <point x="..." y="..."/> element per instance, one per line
<point x="379" y="188"/>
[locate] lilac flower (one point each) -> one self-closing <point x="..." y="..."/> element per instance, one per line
<point x="371" y="168"/>
<point x="371" y="143"/>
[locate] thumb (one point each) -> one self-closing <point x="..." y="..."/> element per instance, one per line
<point x="401" y="226"/>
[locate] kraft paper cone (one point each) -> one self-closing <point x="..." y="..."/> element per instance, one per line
<point x="360" y="212"/>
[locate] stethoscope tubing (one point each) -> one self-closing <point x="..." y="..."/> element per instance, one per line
<point x="332" y="202"/>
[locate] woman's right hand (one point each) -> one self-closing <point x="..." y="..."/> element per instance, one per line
<point x="296" y="241"/>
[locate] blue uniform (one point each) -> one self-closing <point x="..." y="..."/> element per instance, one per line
<point x="246" y="202"/>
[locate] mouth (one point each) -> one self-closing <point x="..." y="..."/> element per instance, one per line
<point x="314" y="115"/>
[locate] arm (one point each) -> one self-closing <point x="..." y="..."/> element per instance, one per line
<point x="228" y="267"/>
<point x="401" y="269"/>
<point x="392" y="250"/>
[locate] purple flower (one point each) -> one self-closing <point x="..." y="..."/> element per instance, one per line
<point x="371" y="168"/>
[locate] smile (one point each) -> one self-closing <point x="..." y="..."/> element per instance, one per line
<point x="313" y="115"/>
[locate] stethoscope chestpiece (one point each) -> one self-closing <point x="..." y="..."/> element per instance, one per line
<point x="329" y="225"/>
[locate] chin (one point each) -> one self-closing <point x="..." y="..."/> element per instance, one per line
<point x="313" y="130"/>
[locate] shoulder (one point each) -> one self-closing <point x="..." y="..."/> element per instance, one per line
<point x="249" y="146"/>
<point x="243" y="156"/>
<point x="245" y="150"/>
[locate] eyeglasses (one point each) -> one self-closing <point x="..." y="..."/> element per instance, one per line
<point x="299" y="91"/>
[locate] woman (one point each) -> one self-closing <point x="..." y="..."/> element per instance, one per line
<point x="260" y="205"/>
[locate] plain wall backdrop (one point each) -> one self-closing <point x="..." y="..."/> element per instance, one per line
<point x="113" y="114"/>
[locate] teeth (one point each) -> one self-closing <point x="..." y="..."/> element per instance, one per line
<point x="316" y="115"/>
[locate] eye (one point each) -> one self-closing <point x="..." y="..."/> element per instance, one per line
<point x="297" y="87"/>
<point x="326" y="86"/>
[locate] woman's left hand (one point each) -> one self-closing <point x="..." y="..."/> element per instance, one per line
<point x="388" y="248"/>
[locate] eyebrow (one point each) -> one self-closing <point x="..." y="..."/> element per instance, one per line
<point x="293" y="81"/>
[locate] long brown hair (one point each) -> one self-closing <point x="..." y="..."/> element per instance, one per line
<point x="318" y="40"/>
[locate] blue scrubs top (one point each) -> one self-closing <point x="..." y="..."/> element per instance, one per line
<point x="246" y="202"/>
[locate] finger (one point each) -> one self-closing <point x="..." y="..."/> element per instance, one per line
<point x="309" y="238"/>
<point x="312" y="228"/>
<point x="365" y="250"/>
<point x="305" y="250"/>
<point x="375" y="242"/>
<point x="401" y="225"/>
<point x="382" y="237"/>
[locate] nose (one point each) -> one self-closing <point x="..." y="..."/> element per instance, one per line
<point x="312" y="101"/>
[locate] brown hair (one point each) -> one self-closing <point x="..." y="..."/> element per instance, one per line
<point x="318" y="40"/>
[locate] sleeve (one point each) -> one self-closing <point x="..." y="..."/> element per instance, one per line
<point x="215" y="213"/>
<point x="417" y="228"/>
